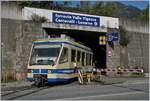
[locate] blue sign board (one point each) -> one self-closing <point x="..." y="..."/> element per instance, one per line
<point x="112" y="36"/>
<point x="115" y="36"/>
<point x="109" y="37"/>
<point x="75" y="19"/>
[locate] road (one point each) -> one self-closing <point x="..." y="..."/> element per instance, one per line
<point x="97" y="91"/>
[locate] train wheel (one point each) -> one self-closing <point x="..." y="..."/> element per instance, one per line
<point x="43" y="82"/>
<point x="38" y="82"/>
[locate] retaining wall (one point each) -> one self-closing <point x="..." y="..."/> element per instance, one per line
<point x="17" y="37"/>
<point x="137" y="51"/>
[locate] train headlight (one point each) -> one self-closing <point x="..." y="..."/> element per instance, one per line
<point x="49" y="71"/>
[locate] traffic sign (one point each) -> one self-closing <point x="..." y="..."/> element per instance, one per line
<point x="102" y="40"/>
<point x="112" y="36"/>
<point x="115" y="36"/>
<point x="109" y="37"/>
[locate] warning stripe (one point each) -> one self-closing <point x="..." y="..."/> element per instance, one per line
<point x="80" y="78"/>
<point x="123" y="70"/>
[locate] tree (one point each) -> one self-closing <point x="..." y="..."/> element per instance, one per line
<point x="124" y="38"/>
<point x="65" y="3"/>
<point x="96" y="9"/>
<point x="145" y="14"/>
<point x="84" y="6"/>
<point x="38" y="4"/>
<point x="103" y="9"/>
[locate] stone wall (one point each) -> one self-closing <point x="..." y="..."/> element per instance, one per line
<point x="137" y="51"/>
<point x="17" y="37"/>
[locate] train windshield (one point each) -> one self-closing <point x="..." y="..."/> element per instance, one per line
<point x="44" y="54"/>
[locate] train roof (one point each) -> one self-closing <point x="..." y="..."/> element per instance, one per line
<point x="62" y="40"/>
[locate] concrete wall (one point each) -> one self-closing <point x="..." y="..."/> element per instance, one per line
<point x="107" y="22"/>
<point x="137" y="51"/>
<point x="73" y="27"/>
<point x="113" y="55"/>
<point x="17" y="37"/>
<point x="11" y="10"/>
<point x="134" y="26"/>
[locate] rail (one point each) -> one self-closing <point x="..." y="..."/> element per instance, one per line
<point x="22" y="92"/>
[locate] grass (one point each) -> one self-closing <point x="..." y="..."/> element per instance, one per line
<point x="9" y="79"/>
<point x="137" y="75"/>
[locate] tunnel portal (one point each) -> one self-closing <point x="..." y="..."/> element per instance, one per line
<point x="89" y="39"/>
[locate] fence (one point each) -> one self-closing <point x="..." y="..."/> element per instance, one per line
<point x="8" y="75"/>
<point x="120" y="72"/>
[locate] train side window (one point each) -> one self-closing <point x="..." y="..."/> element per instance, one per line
<point x="78" y="56"/>
<point x="64" y="56"/>
<point x="73" y="55"/>
<point x="87" y="59"/>
<point x="83" y="56"/>
<point x="91" y="59"/>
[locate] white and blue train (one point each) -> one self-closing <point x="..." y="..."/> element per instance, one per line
<point x="56" y="60"/>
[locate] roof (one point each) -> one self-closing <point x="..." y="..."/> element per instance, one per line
<point x="62" y="41"/>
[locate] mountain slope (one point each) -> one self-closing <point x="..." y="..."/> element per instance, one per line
<point x="124" y="11"/>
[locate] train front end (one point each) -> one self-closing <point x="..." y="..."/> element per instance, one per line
<point x="43" y="59"/>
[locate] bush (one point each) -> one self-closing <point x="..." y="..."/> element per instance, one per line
<point x="8" y="79"/>
<point x="124" y="38"/>
<point x="38" y="19"/>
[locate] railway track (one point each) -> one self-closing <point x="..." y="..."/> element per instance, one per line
<point x="14" y="93"/>
<point x="21" y="92"/>
<point x="14" y="90"/>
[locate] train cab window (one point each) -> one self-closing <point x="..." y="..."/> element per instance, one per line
<point x="78" y="56"/>
<point x="64" y="56"/>
<point x="73" y="55"/>
<point x="83" y="57"/>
